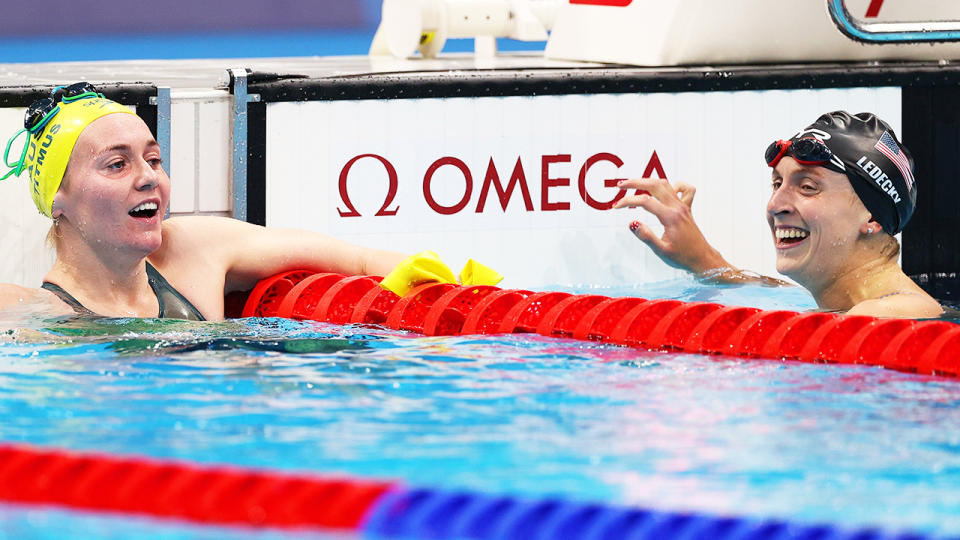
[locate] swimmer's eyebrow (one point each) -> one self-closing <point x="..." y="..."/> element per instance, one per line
<point x="115" y="148"/>
<point x="813" y="172"/>
<point x="127" y="148"/>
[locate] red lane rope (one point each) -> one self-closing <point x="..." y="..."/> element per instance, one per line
<point x="926" y="347"/>
<point x="213" y="495"/>
<point x="222" y="496"/>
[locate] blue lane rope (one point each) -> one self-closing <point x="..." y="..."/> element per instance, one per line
<point x="439" y="515"/>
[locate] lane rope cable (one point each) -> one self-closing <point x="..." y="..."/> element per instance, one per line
<point x="928" y="347"/>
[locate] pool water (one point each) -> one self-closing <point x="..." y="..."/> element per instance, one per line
<point x="525" y="415"/>
<point x="183" y="45"/>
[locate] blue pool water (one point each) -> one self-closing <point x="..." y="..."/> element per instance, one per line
<point x="249" y="44"/>
<point x="527" y="415"/>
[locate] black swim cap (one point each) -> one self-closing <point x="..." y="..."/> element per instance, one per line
<point x="879" y="167"/>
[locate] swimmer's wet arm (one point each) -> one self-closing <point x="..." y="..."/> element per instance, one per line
<point x="274" y="250"/>
<point x="249" y="253"/>
<point x="682" y="244"/>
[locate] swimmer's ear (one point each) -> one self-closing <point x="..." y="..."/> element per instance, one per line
<point x="56" y="209"/>
<point x="870" y="227"/>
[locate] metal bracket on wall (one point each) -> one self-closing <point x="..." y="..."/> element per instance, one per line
<point x="163" y="104"/>
<point x="891" y="32"/>
<point x="238" y="87"/>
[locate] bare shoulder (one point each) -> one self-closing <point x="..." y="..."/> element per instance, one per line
<point x="201" y="227"/>
<point x="11" y="294"/>
<point x="199" y="243"/>
<point x="186" y="236"/>
<point x="900" y="306"/>
<point x="29" y="299"/>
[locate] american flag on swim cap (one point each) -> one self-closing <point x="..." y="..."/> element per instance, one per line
<point x="888" y="146"/>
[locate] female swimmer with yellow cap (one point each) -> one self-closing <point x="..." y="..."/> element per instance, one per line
<point x="842" y="188"/>
<point x="95" y="169"/>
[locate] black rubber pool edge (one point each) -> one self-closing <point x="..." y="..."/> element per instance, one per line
<point x="257" y="163"/>
<point x="931" y="244"/>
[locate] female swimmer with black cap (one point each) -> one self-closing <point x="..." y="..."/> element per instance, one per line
<point x="842" y="188"/>
<point x="95" y="169"/>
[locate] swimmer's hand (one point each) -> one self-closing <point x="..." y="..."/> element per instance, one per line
<point x="682" y="244"/>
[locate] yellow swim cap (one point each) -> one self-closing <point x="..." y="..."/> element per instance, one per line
<point x="48" y="151"/>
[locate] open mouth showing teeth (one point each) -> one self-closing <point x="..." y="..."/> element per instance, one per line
<point x="145" y="210"/>
<point x="790" y="235"/>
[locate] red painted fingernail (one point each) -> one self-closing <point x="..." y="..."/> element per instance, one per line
<point x="634" y="225"/>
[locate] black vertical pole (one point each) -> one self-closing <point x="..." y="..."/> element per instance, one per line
<point x="931" y="243"/>
<point x="257" y="163"/>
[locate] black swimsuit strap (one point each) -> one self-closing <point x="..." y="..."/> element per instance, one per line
<point x="67" y="298"/>
<point x="171" y="303"/>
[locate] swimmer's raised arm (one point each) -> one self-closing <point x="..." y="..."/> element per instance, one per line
<point x="682" y="244"/>
<point x="248" y="253"/>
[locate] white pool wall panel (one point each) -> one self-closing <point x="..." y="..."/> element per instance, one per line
<point x="23" y="230"/>
<point x="714" y="140"/>
<point x="200" y="153"/>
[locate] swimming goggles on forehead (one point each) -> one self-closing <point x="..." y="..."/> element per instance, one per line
<point x="807" y="151"/>
<point x="39" y="114"/>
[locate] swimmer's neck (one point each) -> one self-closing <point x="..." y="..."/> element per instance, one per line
<point x="871" y="280"/>
<point x="116" y="275"/>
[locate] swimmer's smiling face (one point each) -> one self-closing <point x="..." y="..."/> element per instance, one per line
<point x="816" y="219"/>
<point x="115" y="191"/>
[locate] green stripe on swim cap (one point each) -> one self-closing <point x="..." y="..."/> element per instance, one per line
<point x="48" y="152"/>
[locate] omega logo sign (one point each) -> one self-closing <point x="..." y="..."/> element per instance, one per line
<point x="517" y="184"/>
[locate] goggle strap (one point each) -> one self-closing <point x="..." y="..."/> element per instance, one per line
<point x="782" y="151"/>
<point x="84" y="95"/>
<point x="46" y="118"/>
<point x="17" y="167"/>
<point x="804" y="162"/>
<point x="6" y="153"/>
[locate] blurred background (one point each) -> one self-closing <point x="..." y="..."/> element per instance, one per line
<point x="67" y="30"/>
